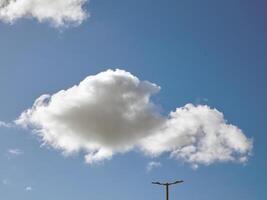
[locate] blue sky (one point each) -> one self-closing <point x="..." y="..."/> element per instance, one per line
<point x="200" y="52"/>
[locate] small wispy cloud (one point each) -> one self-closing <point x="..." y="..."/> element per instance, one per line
<point x="28" y="188"/>
<point x="5" y="124"/>
<point x="14" y="152"/>
<point x="152" y="165"/>
<point x="200" y="100"/>
<point x="5" y="182"/>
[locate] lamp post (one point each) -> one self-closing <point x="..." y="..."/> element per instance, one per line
<point x="167" y="186"/>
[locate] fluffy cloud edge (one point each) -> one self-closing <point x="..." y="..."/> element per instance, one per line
<point x="59" y="13"/>
<point x="199" y="135"/>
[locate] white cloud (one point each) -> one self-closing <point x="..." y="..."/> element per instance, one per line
<point x="59" y="12"/>
<point x="28" y="188"/>
<point x="112" y="112"/>
<point x="14" y="152"/>
<point x="151" y="165"/>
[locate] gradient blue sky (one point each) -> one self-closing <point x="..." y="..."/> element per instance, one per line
<point x="212" y="52"/>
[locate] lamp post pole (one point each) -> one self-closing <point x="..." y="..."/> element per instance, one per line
<point x="167" y="192"/>
<point x="167" y="186"/>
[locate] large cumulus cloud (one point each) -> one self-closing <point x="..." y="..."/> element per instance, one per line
<point x="58" y="12"/>
<point x="112" y="112"/>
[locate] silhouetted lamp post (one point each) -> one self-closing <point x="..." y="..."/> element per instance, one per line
<point x="167" y="186"/>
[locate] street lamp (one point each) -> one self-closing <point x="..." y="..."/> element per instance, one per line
<point x="167" y="186"/>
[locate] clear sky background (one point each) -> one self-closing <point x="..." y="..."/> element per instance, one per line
<point x="210" y="52"/>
